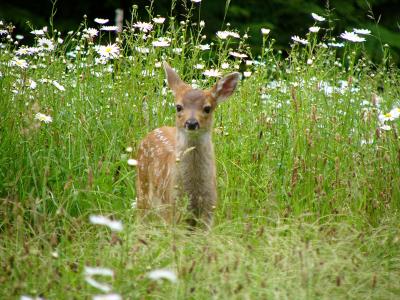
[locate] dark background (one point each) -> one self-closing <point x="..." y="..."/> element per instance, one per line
<point x="284" y="17"/>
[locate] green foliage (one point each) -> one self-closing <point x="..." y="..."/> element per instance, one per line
<point x="284" y="17"/>
<point x="307" y="157"/>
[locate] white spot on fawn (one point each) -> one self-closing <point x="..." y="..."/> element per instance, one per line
<point x="132" y="162"/>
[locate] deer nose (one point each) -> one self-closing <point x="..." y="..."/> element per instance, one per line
<point x="192" y="124"/>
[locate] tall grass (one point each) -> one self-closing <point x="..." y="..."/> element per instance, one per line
<point x="308" y="169"/>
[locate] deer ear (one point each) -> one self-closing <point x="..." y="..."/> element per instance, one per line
<point x="225" y="87"/>
<point x="173" y="79"/>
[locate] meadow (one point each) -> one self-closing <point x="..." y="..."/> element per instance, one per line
<point x="308" y="160"/>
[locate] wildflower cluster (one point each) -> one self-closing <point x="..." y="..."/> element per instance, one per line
<point x="385" y="118"/>
<point x="355" y="36"/>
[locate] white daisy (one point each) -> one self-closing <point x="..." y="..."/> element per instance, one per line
<point x="362" y="31"/>
<point x="352" y="37"/>
<point x="237" y="54"/>
<point x="199" y="66"/>
<point x="314" y="29"/>
<point x="22" y="51"/>
<point x="159" y="20"/>
<point x="212" y="73"/>
<point x="222" y="35"/>
<point x="38" y="32"/>
<point x="204" y="47"/>
<point x="92" y="32"/>
<point x="19" y="63"/>
<point x="110" y="51"/>
<point x="109" y="28"/>
<point x="390" y="116"/>
<point x="33" y="50"/>
<point x="367" y="142"/>
<point x="46" y="44"/>
<point x="395" y="112"/>
<point x="317" y="17"/>
<point x="100" y="60"/>
<point x="385" y="127"/>
<point x="101" y="21"/>
<point x="234" y="34"/>
<point x="32" y="84"/>
<point x="297" y="39"/>
<point x="142" y="50"/>
<point x="161" y="42"/>
<point x="225" y="34"/>
<point x="265" y="31"/>
<point x="43" y="118"/>
<point x="247" y="74"/>
<point x="224" y="66"/>
<point x="143" y="26"/>
<point x="337" y="45"/>
<point x="177" y="50"/>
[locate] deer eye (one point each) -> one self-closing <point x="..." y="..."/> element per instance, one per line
<point x="207" y="109"/>
<point x="179" y="107"/>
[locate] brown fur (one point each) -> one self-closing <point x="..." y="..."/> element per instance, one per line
<point x="174" y="162"/>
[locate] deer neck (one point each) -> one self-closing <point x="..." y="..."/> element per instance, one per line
<point x="196" y="166"/>
<point x="195" y="153"/>
<point x="194" y="148"/>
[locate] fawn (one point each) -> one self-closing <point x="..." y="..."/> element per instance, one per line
<point x="174" y="162"/>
